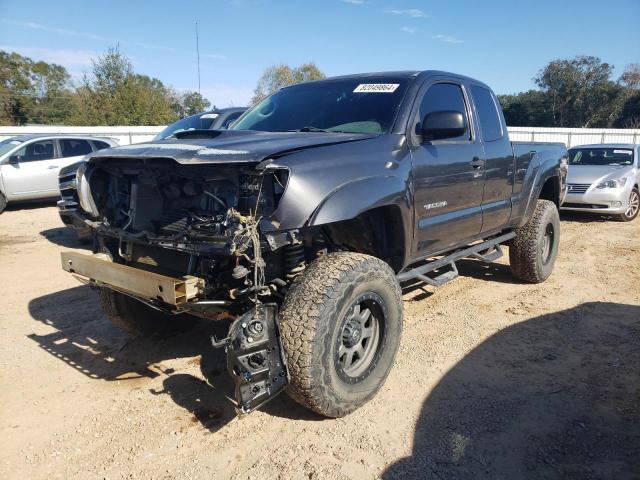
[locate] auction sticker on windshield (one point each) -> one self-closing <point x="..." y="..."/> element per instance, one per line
<point x="376" y="88"/>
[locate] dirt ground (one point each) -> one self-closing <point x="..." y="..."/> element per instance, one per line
<point x="494" y="379"/>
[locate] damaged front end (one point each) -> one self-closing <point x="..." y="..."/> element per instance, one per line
<point x="198" y="229"/>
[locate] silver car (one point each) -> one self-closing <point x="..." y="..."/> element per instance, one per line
<point x="29" y="164"/>
<point x="604" y="179"/>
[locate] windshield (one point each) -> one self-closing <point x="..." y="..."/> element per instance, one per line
<point x="8" y="144"/>
<point x="600" y="156"/>
<point x="195" y="122"/>
<point x="350" y="105"/>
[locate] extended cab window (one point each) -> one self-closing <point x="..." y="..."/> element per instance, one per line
<point x="442" y="97"/>
<point x="74" y="148"/>
<point x="490" y="124"/>
<point x="33" y="152"/>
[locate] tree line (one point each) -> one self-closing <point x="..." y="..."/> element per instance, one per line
<point x="578" y="92"/>
<point x="574" y="92"/>
<point x="110" y="94"/>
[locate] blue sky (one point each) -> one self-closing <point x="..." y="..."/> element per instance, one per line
<point x="502" y="42"/>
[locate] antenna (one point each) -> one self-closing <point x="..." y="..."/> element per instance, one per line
<point x="198" y="53"/>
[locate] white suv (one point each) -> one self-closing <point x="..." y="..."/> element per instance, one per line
<point x="29" y="164"/>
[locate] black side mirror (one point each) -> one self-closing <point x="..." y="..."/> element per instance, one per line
<point x="442" y="125"/>
<point x="15" y="159"/>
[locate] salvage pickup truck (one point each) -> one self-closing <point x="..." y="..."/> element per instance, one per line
<point x="301" y="222"/>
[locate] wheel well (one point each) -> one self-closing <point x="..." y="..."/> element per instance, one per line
<point x="551" y="190"/>
<point x="378" y="232"/>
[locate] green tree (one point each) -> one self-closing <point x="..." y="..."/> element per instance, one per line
<point x="278" y="76"/>
<point x="33" y="92"/>
<point x="531" y="108"/>
<point x="112" y="94"/>
<point x="580" y="91"/>
<point x="189" y="103"/>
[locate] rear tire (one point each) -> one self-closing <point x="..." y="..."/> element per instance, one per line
<point x="340" y="325"/>
<point x="138" y="319"/>
<point x="533" y="252"/>
<point x="634" y="207"/>
<point x="3" y="202"/>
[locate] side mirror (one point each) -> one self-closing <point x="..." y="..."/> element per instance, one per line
<point x="442" y="125"/>
<point x="15" y="159"/>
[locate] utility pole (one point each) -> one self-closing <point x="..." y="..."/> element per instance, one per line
<point x="198" y="54"/>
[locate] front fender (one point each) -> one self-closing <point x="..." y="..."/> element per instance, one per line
<point x="363" y="194"/>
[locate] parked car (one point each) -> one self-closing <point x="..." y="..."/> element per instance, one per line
<point x="217" y="119"/>
<point x="604" y="178"/>
<point x="29" y="164"/>
<point x="301" y="221"/>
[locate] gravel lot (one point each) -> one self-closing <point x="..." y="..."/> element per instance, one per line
<point x="494" y="379"/>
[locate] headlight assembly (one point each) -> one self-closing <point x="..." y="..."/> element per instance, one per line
<point x="83" y="176"/>
<point x="617" y="183"/>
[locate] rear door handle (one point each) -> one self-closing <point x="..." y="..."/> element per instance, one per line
<point x="477" y="162"/>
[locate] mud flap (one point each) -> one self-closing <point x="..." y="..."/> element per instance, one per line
<point x="254" y="357"/>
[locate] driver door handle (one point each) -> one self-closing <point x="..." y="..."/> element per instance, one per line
<point x="50" y="167"/>
<point x="477" y="162"/>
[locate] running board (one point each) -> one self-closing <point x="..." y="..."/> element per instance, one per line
<point x="487" y="251"/>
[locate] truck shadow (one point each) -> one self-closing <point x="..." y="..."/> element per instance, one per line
<point x="83" y="338"/>
<point x="66" y="237"/>
<point x="569" y="216"/>
<point x="552" y="397"/>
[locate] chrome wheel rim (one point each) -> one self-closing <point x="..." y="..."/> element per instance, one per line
<point x="634" y="205"/>
<point x="360" y="337"/>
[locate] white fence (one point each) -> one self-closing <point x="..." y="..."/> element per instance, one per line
<point x="568" y="136"/>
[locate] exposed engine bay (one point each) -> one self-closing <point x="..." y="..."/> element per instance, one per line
<point x="204" y="221"/>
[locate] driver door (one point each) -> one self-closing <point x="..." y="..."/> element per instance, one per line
<point x="33" y="171"/>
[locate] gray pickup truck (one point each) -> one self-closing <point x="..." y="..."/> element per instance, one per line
<point x="300" y="223"/>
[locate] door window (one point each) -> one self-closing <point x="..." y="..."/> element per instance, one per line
<point x="72" y="147"/>
<point x="442" y="97"/>
<point x="42" y="150"/>
<point x="490" y="123"/>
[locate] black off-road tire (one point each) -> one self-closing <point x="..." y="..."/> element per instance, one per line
<point x="3" y="202"/>
<point x="631" y="213"/>
<point x="315" y="315"/>
<point x="138" y="319"/>
<point x="533" y="252"/>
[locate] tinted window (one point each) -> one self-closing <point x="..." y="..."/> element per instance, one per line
<point x="600" y="156"/>
<point x="72" y="147"/>
<point x="42" y="150"/>
<point x="490" y="124"/>
<point x="230" y="119"/>
<point x="100" y="145"/>
<point x="194" y="122"/>
<point x="442" y="97"/>
<point x="355" y="105"/>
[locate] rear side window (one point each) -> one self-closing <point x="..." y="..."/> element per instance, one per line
<point x="490" y="123"/>
<point x="100" y="145"/>
<point x="444" y="96"/>
<point x="72" y="147"/>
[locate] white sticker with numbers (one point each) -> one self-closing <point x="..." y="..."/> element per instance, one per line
<point x="376" y="88"/>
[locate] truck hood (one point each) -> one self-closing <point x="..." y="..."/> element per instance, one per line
<point x="222" y="146"/>
<point x="596" y="173"/>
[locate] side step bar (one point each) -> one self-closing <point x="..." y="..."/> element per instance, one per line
<point x="133" y="281"/>
<point x="487" y="251"/>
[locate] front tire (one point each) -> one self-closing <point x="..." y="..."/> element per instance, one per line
<point x="533" y="252"/>
<point x="3" y="202"/>
<point x="340" y="325"/>
<point x="633" y="209"/>
<point x="138" y="319"/>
